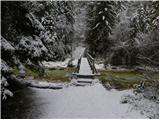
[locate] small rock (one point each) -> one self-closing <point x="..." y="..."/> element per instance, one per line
<point x="70" y="63"/>
<point x="21" y="73"/>
<point x="124" y="101"/>
<point x="108" y="86"/>
<point x="127" y="99"/>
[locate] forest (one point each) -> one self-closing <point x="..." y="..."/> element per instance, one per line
<point x="117" y="34"/>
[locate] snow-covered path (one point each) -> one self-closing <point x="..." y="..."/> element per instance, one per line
<point x="92" y="101"/>
<point x="84" y="67"/>
<point x="89" y="101"/>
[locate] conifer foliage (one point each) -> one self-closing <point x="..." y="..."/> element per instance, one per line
<point x="101" y="19"/>
<point x="34" y="31"/>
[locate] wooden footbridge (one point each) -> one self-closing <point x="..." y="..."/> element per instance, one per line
<point x="85" y="70"/>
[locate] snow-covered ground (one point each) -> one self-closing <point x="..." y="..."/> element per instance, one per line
<point x="96" y="102"/>
<point x="100" y="66"/>
<point x="56" y="64"/>
<point x="86" y="102"/>
<point x="45" y="84"/>
<point x="63" y="64"/>
<point x="147" y="107"/>
<point x="91" y="101"/>
<point x="74" y="62"/>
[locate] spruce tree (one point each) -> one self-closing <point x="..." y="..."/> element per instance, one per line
<point x="101" y="19"/>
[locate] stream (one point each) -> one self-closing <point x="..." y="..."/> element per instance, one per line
<point x="90" y="101"/>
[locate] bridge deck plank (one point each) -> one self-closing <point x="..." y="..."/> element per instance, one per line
<point x="84" y="67"/>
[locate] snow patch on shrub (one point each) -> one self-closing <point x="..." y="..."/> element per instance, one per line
<point x="147" y="107"/>
<point x="4" y="67"/>
<point x="35" y="23"/>
<point x="31" y="46"/>
<point x="6" y="45"/>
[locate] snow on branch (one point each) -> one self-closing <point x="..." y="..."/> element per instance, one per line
<point x="35" y="22"/>
<point x="6" y="45"/>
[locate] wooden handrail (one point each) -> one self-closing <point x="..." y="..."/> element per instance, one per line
<point x="78" y="65"/>
<point x="90" y="56"/>
<point x="91" y="63"/>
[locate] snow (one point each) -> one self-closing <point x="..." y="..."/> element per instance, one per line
<point x="84" y="67"/>
<point x="4" y="66"/>
<point x="148" y="108"/>
<point x="84" y="81"/>
<point x="100" y="66"/>
<point x="35" y="22"/>
<point x="16" y="60"/>
<point x="32" y="46"/>
<point x="100" y="12"/>
<point x="4" y="81"/>
<point x="44" y="84"/>
<point x="22" y="72"/>
<point x="28" y="62"/>
<point x="96" y="26"/>
<point x="46" y="37"/>
<point x="6" y="93"/>
<point x="6" y="45"/>
<point x="92" y="101"/>
<point x="103" y="17"/>
<point x="137" y="41"/>
<point x="106" y="22"/>
<point x="56" y="64"/>
<point x="74" y="62"/>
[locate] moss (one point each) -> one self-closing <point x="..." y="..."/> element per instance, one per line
<point x="58" y="74"/>
<point x="32" y="73"/>
<point x="15" y="70"/>
<point x="119" y="83"/>
<point x="125" y="79"/>
<point x="52" y="75"/>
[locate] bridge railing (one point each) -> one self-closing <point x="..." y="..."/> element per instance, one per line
<point x="78" y="65"/>
<point x="91" y="63"/>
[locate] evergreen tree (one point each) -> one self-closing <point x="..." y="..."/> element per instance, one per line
<point x="101" y="19"/>
<point x="135" y="34"/>
<point x="34" y="31"/>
